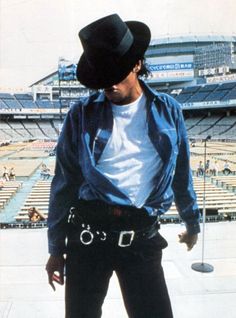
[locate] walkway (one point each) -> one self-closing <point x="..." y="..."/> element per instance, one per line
<point x="24" y="292"/>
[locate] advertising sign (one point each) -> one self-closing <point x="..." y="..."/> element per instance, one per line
<point x="172" y="71"/>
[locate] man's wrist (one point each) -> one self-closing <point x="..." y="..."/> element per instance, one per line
<point x="193" y="228"/>
<point x="55" y="250"/>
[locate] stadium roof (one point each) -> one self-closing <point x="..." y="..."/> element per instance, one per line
<point x="193" y="38"/>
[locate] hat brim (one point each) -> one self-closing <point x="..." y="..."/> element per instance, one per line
<point x="108" y="72"/>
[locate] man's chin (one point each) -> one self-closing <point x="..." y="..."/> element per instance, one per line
<point x="113" y="97"/>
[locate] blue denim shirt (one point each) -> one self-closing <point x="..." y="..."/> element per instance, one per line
<point x="86" y="130"/>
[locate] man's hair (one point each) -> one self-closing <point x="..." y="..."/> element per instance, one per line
<point x="144" y="72"/>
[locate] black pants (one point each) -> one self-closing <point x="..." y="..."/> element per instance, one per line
<point x="138" y="268"/>
<point x="226" y="171"/>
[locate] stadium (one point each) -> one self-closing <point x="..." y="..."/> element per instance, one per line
<point x="198" y="71"/>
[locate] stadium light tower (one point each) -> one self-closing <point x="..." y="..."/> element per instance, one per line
<point x="201" y="266"/>
<point x="60" y="76"/>
<point x="62" y="71"/>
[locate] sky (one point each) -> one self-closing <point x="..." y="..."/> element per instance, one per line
<point x="34" y="34"/>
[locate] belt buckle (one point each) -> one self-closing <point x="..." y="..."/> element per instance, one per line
<point x="123" y="236"/>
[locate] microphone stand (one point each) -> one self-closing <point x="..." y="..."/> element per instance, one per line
<point x="201" y="266"/>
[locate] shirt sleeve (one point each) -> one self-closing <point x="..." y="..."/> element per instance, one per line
<point x="185" y="196"/>
<point x="65" y="183"/>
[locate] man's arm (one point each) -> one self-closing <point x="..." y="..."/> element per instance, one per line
<point x="63" y="195"/>
<point x="65" y="183"/>
<point x="185" y="196"/>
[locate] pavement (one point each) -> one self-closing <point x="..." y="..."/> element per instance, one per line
<point x="24" y="292"/>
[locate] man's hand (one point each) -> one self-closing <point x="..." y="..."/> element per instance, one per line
<point x="189" y="240"/>
<point x="55" y="265"/>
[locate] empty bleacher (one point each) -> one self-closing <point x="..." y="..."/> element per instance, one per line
<point x="9" y="101"/>
<point x="220" y="126"/>
<point x="48" y="130"/>
<point x="22" y="130"/>
<point x="207" y="92"/>
<point x="228" y="182"/>
<point x="19" y="128"/>
<point x="56" y="104"/>
<point x="190" y="94"/>
<point x="220" y="92"/>
<point x="24" y="101"/>
<point x="231" y="94"/>
<point x="193" y="121"/>
<point x="8" y="132"/>
<point x="38" y="198"/>
<point x="27" y="103"/>
<point x="202" y="93"/>
<point x="8" y="190"/>
<point x="41" y="103"/>
<point x="34" y="130"/>
<point x="195" y="127"/>
<point x="216" y="200"/>
<point x="205" y="125"/>
<point x="231" y="133"/>
<point x="3" y="105"/>
<point x="57" y="124"/>
<point x="186" y="93"/>
<point x="12" y="103"/>
<point x="5" y="135"/>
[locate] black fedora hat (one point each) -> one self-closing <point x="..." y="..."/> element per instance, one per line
<point x="111" y="49"/>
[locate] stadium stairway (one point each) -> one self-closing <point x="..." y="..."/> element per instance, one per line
<point x="8" y="213"/>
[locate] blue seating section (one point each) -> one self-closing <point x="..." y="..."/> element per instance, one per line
<point x="217" y="95"/>
<point x="198" y="97"/>
<point x="21" y="101"/>
<point x="208" y="88"/>
<point x="183" y="98"/>
<point x="27" y="103"/>
<point x="23" y="96"/>
<point x="230" y="95"/>
<point x="44" y="104"/>
<point x="12" y="103"/>
<point x="6" y="96"/>
<point x="207" y="92"/>
<point x="191" y="94"/>
<point x="3" y="105"/>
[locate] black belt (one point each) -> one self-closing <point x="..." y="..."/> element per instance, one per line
<point x="96" y="221"/>
<point x="125" y="238"/>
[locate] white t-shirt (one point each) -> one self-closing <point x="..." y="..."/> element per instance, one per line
<point x="129" y="159"/>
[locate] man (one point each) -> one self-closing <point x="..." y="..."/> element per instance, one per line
<point x="200" y="169"/>
<point x="122" y="157"/>
<point x="35" y="215"/>
<point x="226" y="169"/>
<point x="45" y="172"/>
